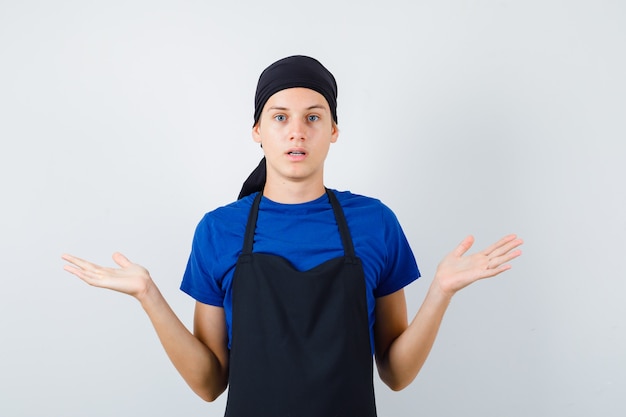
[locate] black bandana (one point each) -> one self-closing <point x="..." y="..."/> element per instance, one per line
<point x="295" y="71"/>
<point x="290" y="72"/>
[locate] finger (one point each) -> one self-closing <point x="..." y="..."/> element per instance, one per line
<point x="500" y="243"/>
<point x="500" y="264"/>
<point x="507" y="257"/>
<point x="464" y="246"/>
<point x="72" y="269"/>
<point x="87" y="271"/>
<point x="506" y="248"/>
<point x="83" y="274"/>
<point x="121" y="260"/>
<point x="81" y="263"/>
<point x="492" y="272"/>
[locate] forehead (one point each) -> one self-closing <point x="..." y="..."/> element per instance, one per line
<point x="296" y="97"/>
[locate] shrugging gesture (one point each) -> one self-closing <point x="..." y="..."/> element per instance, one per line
<point x="295" y="122"/>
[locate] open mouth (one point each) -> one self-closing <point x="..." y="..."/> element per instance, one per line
<point x="296" y="153"/>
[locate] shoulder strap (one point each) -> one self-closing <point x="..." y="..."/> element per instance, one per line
<point x="344" y="232"/>
<point x="251" y="226"/>
<point x="346" y="238"/>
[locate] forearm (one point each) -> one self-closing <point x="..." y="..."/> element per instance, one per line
<point x="196" y="363"/>
<point x="401" y="350"/>
<point x="406" y="355"/>
<point x="202" y="360"/>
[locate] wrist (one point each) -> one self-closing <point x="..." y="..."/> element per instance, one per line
<point x="149" y="294"/>
<point x="440" y="293"/>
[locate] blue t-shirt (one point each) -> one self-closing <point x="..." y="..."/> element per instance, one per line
<point x="306" y="235"/>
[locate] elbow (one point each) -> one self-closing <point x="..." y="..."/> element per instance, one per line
<point x="396" y="387"/>
<point x="396" y="384"/>
<point x="396" y="381"/>
<point x="208" y="387"/>
<point x="211" y="392"/>
<point x="210" y="395"/>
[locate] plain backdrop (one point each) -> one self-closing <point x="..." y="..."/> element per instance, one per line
<point x="123" y="122"/>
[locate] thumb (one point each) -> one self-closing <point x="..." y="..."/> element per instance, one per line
<point x="121" y="260"/>
<point x="464" y="246"/>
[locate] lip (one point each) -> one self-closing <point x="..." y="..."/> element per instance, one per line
<point x="296" y="154"/>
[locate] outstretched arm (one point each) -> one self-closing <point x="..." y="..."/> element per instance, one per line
<point x="402" y="349"/>
<point x="201" y="358"/>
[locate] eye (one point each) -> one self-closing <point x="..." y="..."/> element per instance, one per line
<point x="280" y="118"/>
<point x="313" y="118"/>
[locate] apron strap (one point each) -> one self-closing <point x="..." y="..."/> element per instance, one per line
<point x="346" y="238"/>
<point x="344" y="232"/>
<point x="251" y="226"/>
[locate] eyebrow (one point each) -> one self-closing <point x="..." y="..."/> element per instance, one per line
<point x="315" y="106"/>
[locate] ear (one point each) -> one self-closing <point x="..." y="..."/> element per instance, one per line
<point x="334" y="133"/>
<point x="256" y="133"/>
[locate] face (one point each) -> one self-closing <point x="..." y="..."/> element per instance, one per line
<point x="295" y="129"/>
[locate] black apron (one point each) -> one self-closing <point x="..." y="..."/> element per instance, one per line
<point x="300" y="339"/>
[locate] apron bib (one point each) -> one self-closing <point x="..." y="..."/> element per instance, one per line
<point x="300" y="339"/>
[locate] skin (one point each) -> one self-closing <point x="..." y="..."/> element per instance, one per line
<point x="295" y="120"/>
<point x="296" y="130"/>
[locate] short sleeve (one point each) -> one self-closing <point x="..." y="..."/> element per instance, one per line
<point x="400" y="267"/>
<point x="199" y="281"/>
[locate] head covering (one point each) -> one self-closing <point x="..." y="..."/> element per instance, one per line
<point x="295" y="71"/>
<point x="290" y="72"/>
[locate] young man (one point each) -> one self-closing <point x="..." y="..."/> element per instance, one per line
<point x="296" y="285"/>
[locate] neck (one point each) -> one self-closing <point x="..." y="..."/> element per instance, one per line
<point x="293" y="192"/>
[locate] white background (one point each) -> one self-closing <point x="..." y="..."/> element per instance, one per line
<point x="122" y="122"/>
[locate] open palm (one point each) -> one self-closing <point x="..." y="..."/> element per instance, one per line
<point x="129" y="279"/>
<point x="458" y="270"/>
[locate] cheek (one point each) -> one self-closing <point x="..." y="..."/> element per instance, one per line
<point x="263" y="133"/>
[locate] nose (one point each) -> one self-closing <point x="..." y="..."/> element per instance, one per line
<point x="298" y="130"/>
